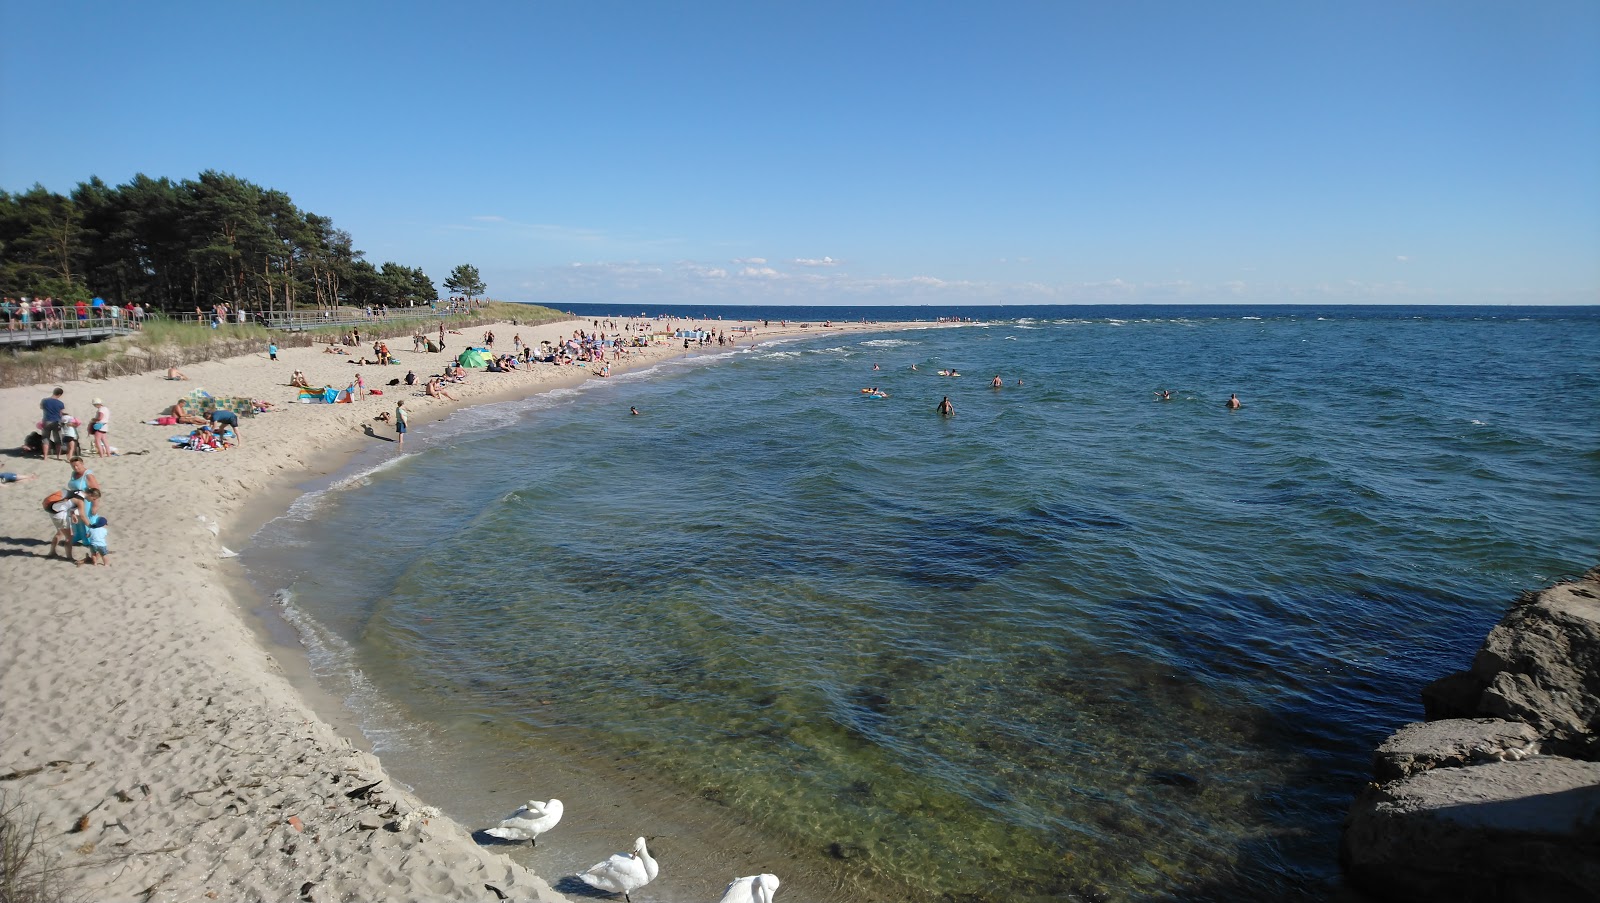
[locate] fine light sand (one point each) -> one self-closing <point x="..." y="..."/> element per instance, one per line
<point x="143" y="721"/>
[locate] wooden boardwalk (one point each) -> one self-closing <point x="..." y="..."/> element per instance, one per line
<point x="72" y="331"/>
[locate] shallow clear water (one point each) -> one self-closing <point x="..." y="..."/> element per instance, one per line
<point x="1072" y="641"/>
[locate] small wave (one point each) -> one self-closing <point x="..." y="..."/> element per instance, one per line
<point x="333" y="665"/>
<point x="1249" y="318"/>
<point x="307" y="504"/>
<point x="888" y="343"/>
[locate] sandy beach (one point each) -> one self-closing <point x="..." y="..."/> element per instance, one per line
<point x="162" y="746"/>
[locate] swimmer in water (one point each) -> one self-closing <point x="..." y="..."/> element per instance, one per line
<point x="634" y="411"/>
<point x="946" y="409"/>
<point x="1163" y="395"/>
<point x="996" y="382"/>
<point x="913" y="366"/>
<point x="1234" y="403"/>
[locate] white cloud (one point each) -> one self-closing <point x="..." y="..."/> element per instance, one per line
<point x="1402" y="258"/>
<point x="815" y="262"/>
<point x="752" y="261"/>
<point x="630" y="282"/>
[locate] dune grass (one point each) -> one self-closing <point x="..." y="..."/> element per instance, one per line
<point x="172" y="343"/>
<point x="25" y="874"/>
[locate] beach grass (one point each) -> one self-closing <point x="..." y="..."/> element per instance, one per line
<point x="25" y="876"/>
<point x="163" y="343"/>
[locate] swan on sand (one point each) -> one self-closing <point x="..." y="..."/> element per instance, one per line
<point x="529" y="822"/>
<point x="623" y="873"/>
<point x="751" y="889"/>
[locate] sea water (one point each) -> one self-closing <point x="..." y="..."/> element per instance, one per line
<point x="1073" y="642"/>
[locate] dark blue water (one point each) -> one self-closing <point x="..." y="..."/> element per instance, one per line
<point x="1072" y="641"/>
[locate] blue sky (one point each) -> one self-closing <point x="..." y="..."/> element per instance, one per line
<point x="855" y="153"/>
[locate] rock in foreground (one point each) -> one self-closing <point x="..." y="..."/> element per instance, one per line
<point x="1496" y="797"/>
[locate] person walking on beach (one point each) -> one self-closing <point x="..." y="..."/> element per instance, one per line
<point x="400" y="423"/>
<point x="100" y="428"/>
<point x="54" y="414"/>
<point x="946" y="409"/>
<point x="272" y="350"/>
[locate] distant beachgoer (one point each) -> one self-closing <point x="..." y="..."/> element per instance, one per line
<point x="634" y="411"/>
<point x="229" y="419"/>
<point x="876" y="367"/>
<point x="1163" y="395"/>
<point x="946" y="409"/>
<point x="69" y="436"/>
<point x="913" y="366"/>
<point x="55" y="412"/>
<point x="272" y="350"/>
<point x="400" y="423"/>
<point x="9" y="477"/>
<point x="82" y="477"/>
<point x="100" y="428"/>
<point x="996" y="382"/>
<point x="181" y="414"/>
<point x="95" y="538"/>
<point x="1233" y="403"/>
<point x="411" y="377"/>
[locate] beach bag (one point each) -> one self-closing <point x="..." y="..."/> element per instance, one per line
<point x="54" y="498"/>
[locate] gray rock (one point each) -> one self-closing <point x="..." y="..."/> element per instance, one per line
<point x="1540" y="666"/>
<point x="1497" y="797"/>
<point x="1455" y="743"/>
<point x="1513" y="832"/>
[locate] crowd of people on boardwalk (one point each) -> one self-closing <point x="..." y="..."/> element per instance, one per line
<point x="49" y="313"/>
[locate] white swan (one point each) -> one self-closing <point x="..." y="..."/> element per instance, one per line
<point x="529" y="822"/>
<point x="751" y="889"/>
<point x="623" y="873"/>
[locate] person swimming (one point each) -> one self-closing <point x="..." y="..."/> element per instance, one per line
<point x="997" y="382"/>
<point x="946" y="409"/>
<point x="1234" y="403"/>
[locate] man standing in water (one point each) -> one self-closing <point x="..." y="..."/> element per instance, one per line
<point x="400" y="423"/>
<point x="996" y="382"/>
<point x="946" y="409"/>
<point x="1233" y="403"/>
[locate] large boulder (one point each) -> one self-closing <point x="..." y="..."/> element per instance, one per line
<point x="1497" y="797"/>
<point x="1507" y="832"/>
<point x="1540" y="666"/>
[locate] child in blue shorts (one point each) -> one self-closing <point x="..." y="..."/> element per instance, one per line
<point x="98" y="532"/>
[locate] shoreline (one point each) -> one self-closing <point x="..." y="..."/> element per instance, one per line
<point x="169" y="747"/>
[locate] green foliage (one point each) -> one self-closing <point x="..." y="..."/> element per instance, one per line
<point x="464" y="280"/>
<point x="181" y="245"/>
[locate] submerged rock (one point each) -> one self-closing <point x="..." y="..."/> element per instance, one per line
<point x="1497" y="796"/>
